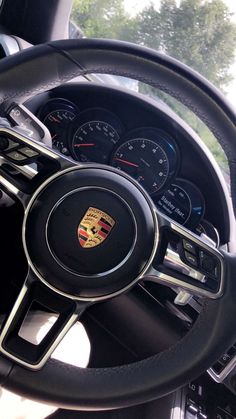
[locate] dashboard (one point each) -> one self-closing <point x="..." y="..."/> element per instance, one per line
<point x="144" y="138"/>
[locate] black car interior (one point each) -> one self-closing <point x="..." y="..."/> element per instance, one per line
<point x="160" y="323"/>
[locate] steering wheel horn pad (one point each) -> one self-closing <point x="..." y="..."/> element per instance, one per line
<point x="71" y="201"/>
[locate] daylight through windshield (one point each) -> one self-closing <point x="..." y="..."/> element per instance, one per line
<point x="201" y="34"/>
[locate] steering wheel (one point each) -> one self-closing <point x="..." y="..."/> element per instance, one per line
<point x="90" y="233"/>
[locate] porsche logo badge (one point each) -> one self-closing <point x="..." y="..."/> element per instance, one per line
<point x="94" y="227"/>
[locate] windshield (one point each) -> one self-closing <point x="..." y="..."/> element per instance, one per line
<point x="201" y="34"/>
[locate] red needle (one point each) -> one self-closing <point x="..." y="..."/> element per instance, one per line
<point x="84" y="145"/>
<point x="55" y="119"/>
<point x="126" y="162"/>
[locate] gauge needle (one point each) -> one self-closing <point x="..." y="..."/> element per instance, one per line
<point x="127" y="162"/>
<point x="55" y="119"/>
<point x="54" y="136"/>
<point x="84" y="145"/>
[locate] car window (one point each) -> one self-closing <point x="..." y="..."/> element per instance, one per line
<point x="201" y="34"/>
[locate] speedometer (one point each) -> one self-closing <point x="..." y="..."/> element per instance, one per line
<point x="149" y="158"/>
<point x="145" y="161"/>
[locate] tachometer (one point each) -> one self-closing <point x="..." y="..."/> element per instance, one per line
<point x="95" y="134"/>
<point x="149" y="157"/>
<point x="94" y="141"/>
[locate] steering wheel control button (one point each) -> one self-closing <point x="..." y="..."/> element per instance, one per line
<point x="196" y="389"/>
<point x="189" y="246"/>
<point x="17" y="150"/>
<point x="96" y="229"/>
<point x="191" y="259"/>
<point x="208" y="263"/>
<point x="28" y="152"/>
<point x="195" y="408"/>
<point x="16" y="156"/>
<point x="225" y="359"/>
<point x="202" y="261"/>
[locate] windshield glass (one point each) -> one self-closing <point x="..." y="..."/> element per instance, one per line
<point x="201" y="34"/>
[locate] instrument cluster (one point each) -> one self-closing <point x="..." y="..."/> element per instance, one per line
<point x="147" y="153"/>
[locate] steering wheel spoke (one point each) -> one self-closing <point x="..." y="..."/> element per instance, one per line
<point x="184" y="261"/>
<point x="25" y="163"/>
<point x="34" y="298"/>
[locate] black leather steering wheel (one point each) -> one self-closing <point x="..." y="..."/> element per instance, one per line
<point x="70" y="277"/>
